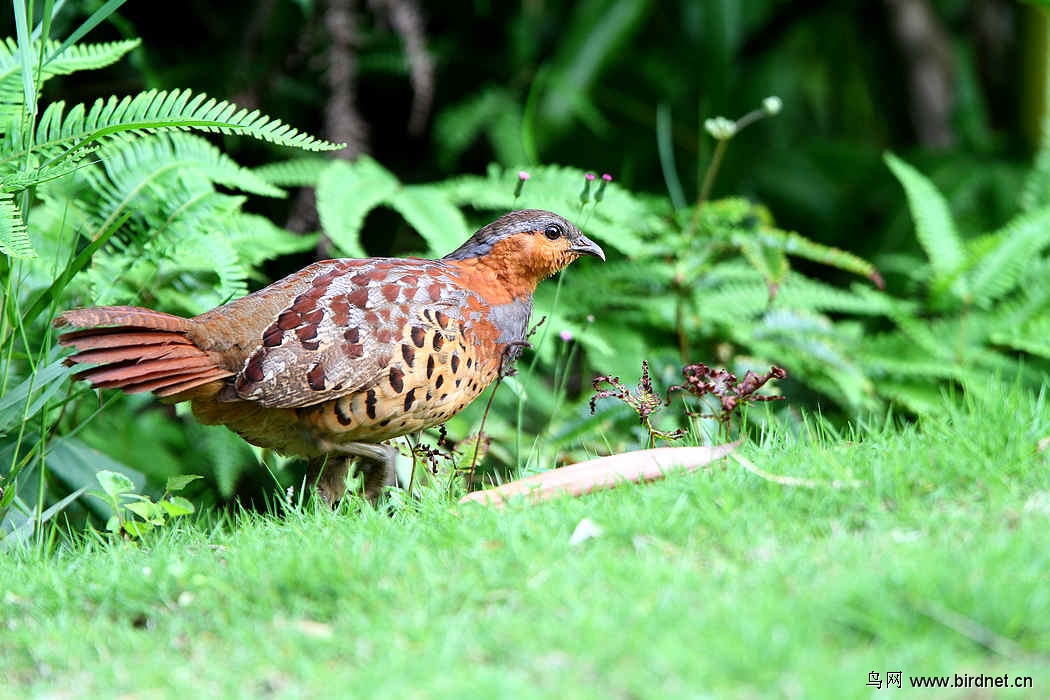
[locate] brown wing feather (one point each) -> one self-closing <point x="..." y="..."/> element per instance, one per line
<point x="338" y="336"/>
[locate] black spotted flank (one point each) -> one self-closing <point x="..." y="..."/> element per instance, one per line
<point x="410" y="398"/>
<point x="341" y="414"/>
<point x="455" y="363"/>
<point x="409" y="353"/>
<point x="370" y="403"/>
<point x="439" y="340"/>
<point x="430" y="366"/>
<point x="419" y="336"/>
<point x="397" y="377"/>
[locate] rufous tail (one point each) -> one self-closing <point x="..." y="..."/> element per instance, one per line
<point x="136" y="350"/>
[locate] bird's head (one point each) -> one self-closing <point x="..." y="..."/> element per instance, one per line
<point x="527" y="246"/>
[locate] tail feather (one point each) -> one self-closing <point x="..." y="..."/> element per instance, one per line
<point x="137" y="353"/>
<point x="130" y="316"/>
<point x="137" y="350"/>
<point x="129" y="373"/>
<point x="121" y="336"/>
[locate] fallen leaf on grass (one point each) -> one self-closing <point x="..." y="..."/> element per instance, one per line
<point x="603" y="473"/>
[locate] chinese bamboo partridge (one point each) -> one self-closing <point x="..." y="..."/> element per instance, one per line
<point x="333" y="360"/>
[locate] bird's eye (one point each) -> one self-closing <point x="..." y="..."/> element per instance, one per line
<point x="552" y="232"/>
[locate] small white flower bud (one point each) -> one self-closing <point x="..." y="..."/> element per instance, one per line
<point x="720" y="127"/>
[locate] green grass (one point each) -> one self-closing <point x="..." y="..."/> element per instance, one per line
<point x="719" y="584"/>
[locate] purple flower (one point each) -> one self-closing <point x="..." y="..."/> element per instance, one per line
<point x="606" y="179"/>
<point x="566" y="335"/>
<point x="522" y="177"/>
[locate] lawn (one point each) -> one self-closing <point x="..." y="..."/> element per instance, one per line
<point x="714" y="584"/>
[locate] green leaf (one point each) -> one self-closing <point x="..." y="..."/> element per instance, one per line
<point x="16" y="405"/>
<point x="177" y="506"/>
<point x="114" y="483"/>
<point x="346" y="193"/>
<point x="433" y="216"/>
<point x="180" y="481"/>
<point x="137" y="528"/>
<point x="147" y="510"/>
<point x="22" y="533"/>
<point x="933" y="220"/>
<point x="113" y="524"/>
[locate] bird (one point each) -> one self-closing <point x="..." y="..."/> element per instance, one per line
<point x="332" y="361"/>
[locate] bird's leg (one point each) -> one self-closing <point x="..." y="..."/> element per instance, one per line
<point x="375" y="462"/>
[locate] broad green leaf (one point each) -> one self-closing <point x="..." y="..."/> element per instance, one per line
<point x="147" y="510"/>
<point x="114" y="483"/>
<point x="179" y="482"/>
<point x="137" y="528"/>
<point x="177" y="506"/>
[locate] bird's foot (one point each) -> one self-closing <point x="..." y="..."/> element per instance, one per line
<point x="375" y="463"/>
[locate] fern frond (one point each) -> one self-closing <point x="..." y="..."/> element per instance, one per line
<point x="182" y="152"/>
<point x="1030" y="300"/>
<point x="814" y="350"/>
<point x="744" y="297"/>
<point x="429" y="212"/>
<point x="76" y="57"/>
<point x="346" y="192"/>
<point x="770" y="262"/>
<point x="620" y="220"/>
<point x="295" y="172"/>
<point x="998" y="272"/>
<point x="14" y="241"/>
<point x="154" y="111"/>
<point x="1035" y="192"/>
<point x="257" y="239"/>
<point x="1032" y="337"/>
<point x="919" y="397"/>
<point x="933" y="220"/>
<point x="791" y="243"/>
<point x="494" y="111"/>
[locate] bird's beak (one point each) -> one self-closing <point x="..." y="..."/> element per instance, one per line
<point x="585" y="246"/>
